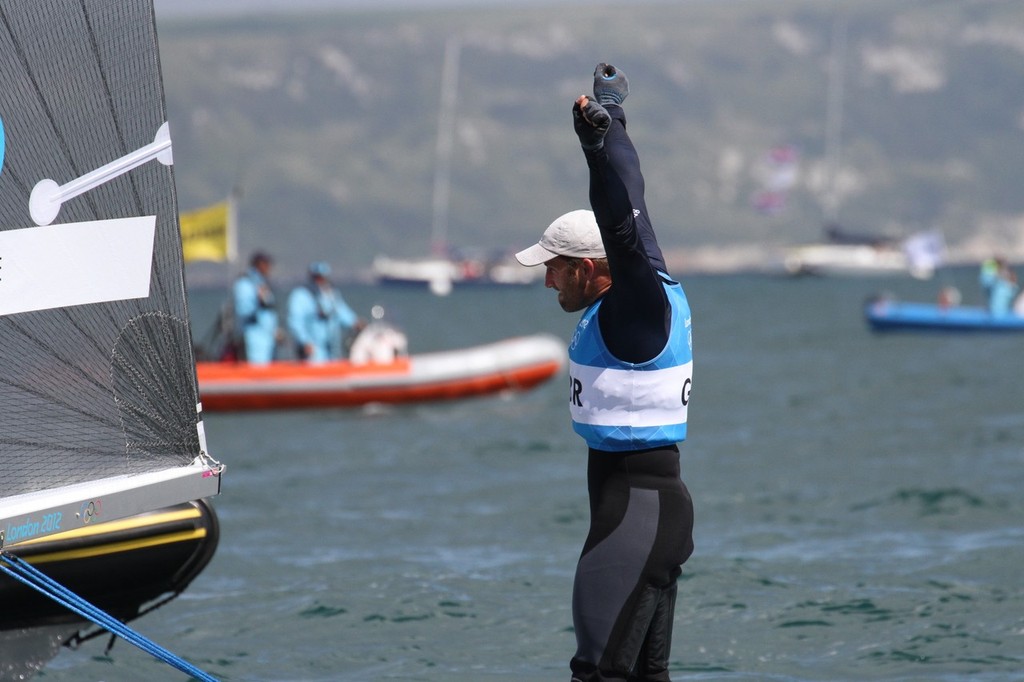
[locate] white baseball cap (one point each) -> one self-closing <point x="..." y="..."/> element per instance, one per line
<point x="574" y="234"/>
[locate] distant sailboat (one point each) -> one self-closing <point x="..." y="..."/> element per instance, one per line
<point x="99" y="414"/>
<point x="444" y="269"/>
<point x="841" y="252"/>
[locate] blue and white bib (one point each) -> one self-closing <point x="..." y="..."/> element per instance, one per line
<point x="620" y="406"/>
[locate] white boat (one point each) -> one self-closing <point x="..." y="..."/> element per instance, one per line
<point x="918" y="256"/>
<point x="845" y="260"/>
<point x="99" y="410"/>
<point x="842" y="253"/>
<point x="442" y="274"/>
<point x="444" y="270"/>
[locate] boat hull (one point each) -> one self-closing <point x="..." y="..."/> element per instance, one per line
<point x="515" y="364"/>
<point x="442" y="274"/>
<point x="845" y="260"/>
<point x="887" y="315"/>
<point x="119" y="566"/>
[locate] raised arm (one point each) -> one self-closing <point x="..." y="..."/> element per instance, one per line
<point x="635" y="313"/>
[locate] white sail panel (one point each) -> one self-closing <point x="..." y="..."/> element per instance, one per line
<point x="75" y="263"/>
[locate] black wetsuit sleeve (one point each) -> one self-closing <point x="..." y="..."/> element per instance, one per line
<point x="635" y="314"/>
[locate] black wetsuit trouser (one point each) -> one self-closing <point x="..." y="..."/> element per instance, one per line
<point x="641" y="532"/>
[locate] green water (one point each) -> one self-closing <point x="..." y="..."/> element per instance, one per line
<point x="858" y="503"/>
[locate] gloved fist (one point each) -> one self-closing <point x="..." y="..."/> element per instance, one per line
<point x="610" y="84"/>
<point x="591" y="121"/>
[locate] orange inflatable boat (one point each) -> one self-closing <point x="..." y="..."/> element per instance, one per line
<point x="514" y="364"/>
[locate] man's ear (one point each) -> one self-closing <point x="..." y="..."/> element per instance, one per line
<point x="588" y="267"/>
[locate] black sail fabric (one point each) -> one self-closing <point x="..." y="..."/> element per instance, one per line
<point x="96" y="389"/>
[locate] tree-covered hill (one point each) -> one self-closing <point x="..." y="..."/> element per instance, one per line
<point x="329" y="122"/>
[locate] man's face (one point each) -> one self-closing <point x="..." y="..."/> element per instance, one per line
<point x="567" y="277"/>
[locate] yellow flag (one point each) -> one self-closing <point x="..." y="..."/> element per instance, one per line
<point x="206" y="233"/>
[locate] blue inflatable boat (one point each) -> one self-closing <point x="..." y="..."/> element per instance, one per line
<point x="885" y="315"/>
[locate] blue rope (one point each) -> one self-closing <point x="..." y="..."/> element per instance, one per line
<point x="22" y="571"/>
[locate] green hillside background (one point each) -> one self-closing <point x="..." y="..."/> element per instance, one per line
<point x="327" y="122"/>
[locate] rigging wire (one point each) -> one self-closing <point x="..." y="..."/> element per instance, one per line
<point x="24" y="572"/>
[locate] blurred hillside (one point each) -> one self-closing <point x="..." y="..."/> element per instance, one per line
<point x="328" y="123"/>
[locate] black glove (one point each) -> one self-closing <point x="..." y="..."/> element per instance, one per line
<point x="610" y="85"/>
<point x="591" y="121"/>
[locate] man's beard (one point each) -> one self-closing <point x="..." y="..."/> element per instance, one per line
<point x="572" y="296"/>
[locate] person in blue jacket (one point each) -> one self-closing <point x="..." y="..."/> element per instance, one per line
<point x="319" y="318"/>
<point x="999" y="283"/>
<point x="630" y="375"/>
<point x="255" y="310"/>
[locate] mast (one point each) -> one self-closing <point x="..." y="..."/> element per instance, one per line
<point x="232" y="225"/>
<point x="445" y="144"/>
<point x="834" y="119"/>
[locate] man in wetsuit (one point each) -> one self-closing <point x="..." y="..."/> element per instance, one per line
<point x="630" y="366"/>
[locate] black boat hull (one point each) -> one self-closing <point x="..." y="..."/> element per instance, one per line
<point x="120" y="566"/>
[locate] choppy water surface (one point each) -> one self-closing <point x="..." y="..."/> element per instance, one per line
<point x="858" y="497"/>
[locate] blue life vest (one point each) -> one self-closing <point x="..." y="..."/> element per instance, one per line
<point x="621" y="406"/>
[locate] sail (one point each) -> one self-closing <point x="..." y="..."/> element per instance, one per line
<point x="99" y="413"/>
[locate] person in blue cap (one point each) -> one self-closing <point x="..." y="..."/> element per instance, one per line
<point x="630" y="371"/>
<point x="255" y="311"/>
<point x="319" y="318"/>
